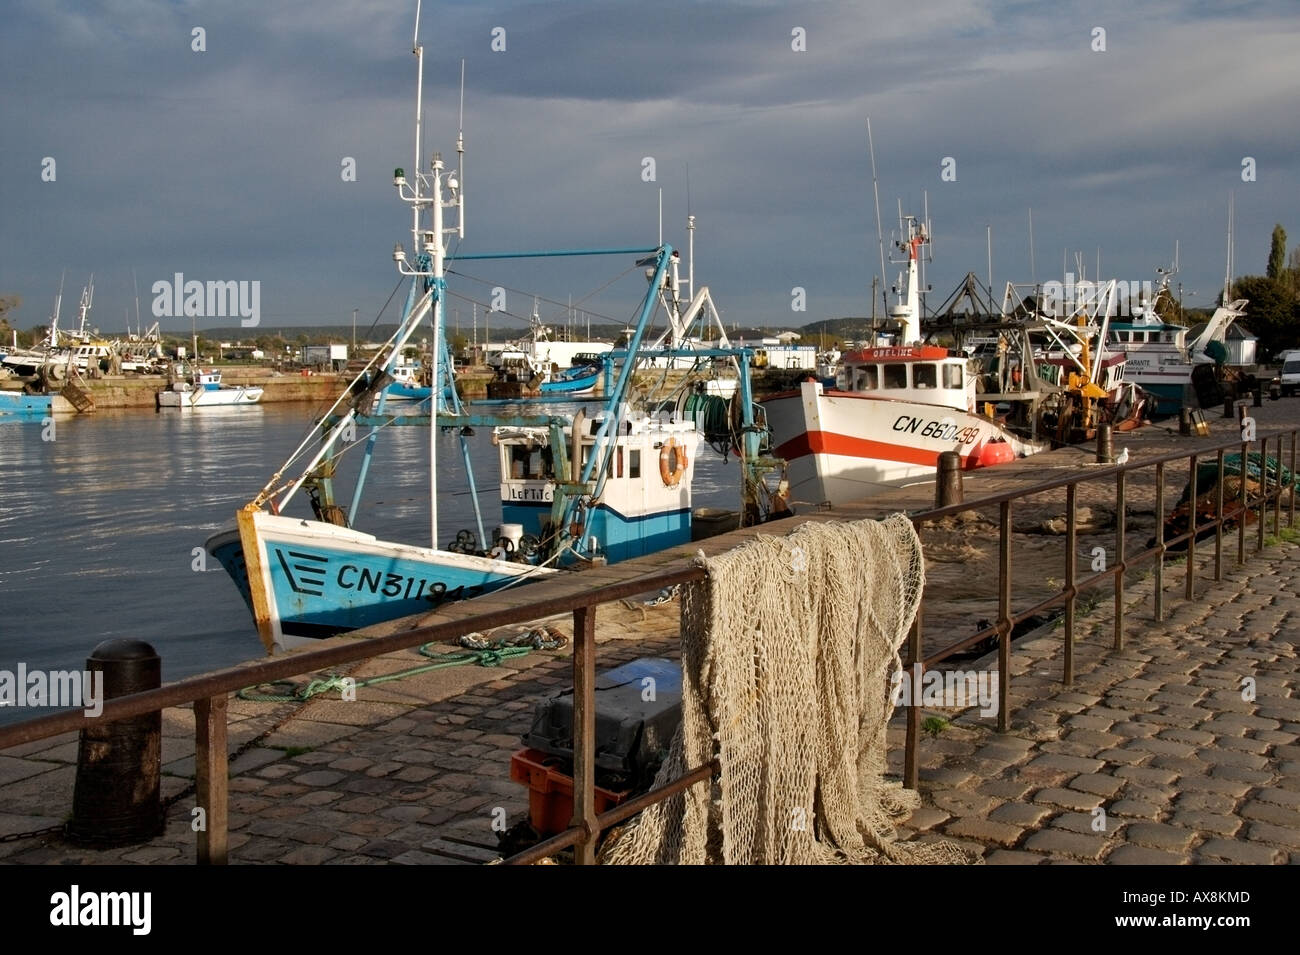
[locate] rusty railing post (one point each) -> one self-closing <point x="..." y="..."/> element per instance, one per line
<point x="584" y="734"/>
<point x="1218" y="523"/>
<point x="1262" y="517"/>
<point x="911" y="769"/>
<point x="1291" y="519"/>
<point x="1004" y="620"/>
<point x="212" y="778"/>
<point x="1242" y="505"/>
<point x="1120" y="564"/>
<point x="1189" y="589"/>
<point x="1071" y="572"/>
<point x="1277" y="493"/>
<point x="1160" y="542"/>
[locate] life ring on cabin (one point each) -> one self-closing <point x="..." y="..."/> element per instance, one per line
<point x="672" y="462"/>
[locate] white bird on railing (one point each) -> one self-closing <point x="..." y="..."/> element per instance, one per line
<point x="1123" y="457"/>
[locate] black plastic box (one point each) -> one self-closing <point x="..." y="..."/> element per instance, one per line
<point x="633" y="731"/>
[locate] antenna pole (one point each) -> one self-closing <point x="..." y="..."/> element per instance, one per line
<point x="460" y="158"/>
<point x="988" y="243"/>
<point x="1227" y="274"/>
<point x="661" y="215"/>
<point x="1033" y="272"/>
<point x="880" y="237"/>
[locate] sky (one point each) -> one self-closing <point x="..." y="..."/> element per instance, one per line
<point x="213" y="139"/>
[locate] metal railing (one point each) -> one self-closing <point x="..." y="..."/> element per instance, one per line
<point x="917" y="661"/>
<point x="209" y="694"/>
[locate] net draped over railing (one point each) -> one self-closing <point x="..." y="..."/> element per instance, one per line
<point x="787" y="652"/>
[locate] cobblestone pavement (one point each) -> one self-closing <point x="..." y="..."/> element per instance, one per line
<point x="390" y="777"/>
<point x="1158" y="754"/>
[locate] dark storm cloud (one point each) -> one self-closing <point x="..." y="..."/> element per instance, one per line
<point x="225" y="164"/>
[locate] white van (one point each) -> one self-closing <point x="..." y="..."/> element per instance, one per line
<point x="1289" y="376"/>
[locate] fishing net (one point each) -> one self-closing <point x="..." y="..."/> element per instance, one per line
<point x="787" y="650"/>
<point x="1207" y="475"/>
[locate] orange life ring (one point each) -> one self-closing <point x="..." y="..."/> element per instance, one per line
<point x="672" y="477"/>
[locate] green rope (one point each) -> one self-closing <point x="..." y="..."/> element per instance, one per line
<point x="1207" y="473"/>
<point x="710" y="414"/>
<point x="489" y="657"/>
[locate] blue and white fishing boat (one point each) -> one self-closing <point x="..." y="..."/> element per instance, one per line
<point x="1161" y="358"/>
<point x="21" y="403"/>
<point x="406" y="384"/>
<point x="203" y="389"/>
<point x="575" y="488"/>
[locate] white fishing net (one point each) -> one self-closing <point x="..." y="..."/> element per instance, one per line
<point x="787" y="650"/>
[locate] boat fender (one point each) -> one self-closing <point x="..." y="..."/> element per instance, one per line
<point x="579" y="521"/>
<point x="672" y="462"/>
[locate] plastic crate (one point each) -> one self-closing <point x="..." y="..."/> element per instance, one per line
<point x="550" y="791"/>
<point x="634" y="727"/>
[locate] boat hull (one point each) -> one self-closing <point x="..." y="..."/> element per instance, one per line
<point x="305" y="580"/>
<point x="20" y="403"/>
<point x="204" y="398"/>
<point x="843" y="446"/>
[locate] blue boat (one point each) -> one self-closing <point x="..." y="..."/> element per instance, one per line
<point x="21" y="403"/>
<point x="575" y="490"/>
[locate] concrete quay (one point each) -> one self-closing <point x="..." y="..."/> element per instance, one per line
<point x="1154" y="755"/>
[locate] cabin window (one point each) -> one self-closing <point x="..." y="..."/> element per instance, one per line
<point x="865" y="378"/>
<point x="634" y="463"/>
<point x="952" y="376"/>
<point x="895" y="376"/>
<point x="618" y="462"/>
<point x="925" y="376"/>
<point x="519" y="462"/>
<point x="1167" y="337"/>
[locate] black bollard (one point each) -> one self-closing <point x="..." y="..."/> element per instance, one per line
<point x="117" y="799"/>
<point x="1228" y="405"/>
<point x="947" y="488"/>
<point x="1274" y="391"/>
<point x="1259" y="397"/>
<point x="1184" y="421"/>
<point x="1105" y="445"/>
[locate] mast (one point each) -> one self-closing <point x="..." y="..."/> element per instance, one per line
<point x="429" y="264"/>
<point x="880" y="237"/>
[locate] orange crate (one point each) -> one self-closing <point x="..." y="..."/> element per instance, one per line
<point x="550" y="792"/>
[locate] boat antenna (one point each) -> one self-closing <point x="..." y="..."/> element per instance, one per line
<point x="880" y="237"/>
<point x="1227" y="274"/>
<point x="460" y="158"/>
<point x="661" y="215"/>
<point x="1033" y="272"/>
<point x="139" y="326"/>
<point x="988" y="245"/>
<point x="690" y="237"/>
<point x="928" y="251"/>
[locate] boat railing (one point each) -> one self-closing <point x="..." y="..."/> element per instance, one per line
<point x="575" y="595"/>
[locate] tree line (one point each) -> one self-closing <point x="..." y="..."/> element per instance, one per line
<point x="1273" y="312"/>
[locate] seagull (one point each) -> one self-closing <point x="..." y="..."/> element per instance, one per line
<point x="1123" y="457"/>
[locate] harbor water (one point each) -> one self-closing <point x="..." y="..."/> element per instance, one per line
<point x="103" y="521"/>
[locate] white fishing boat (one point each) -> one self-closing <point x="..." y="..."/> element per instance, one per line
<point x="893" y="410"/>
<point x="203" y="389"/>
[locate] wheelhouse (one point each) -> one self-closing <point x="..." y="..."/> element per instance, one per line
<point x="926" y="374"/>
